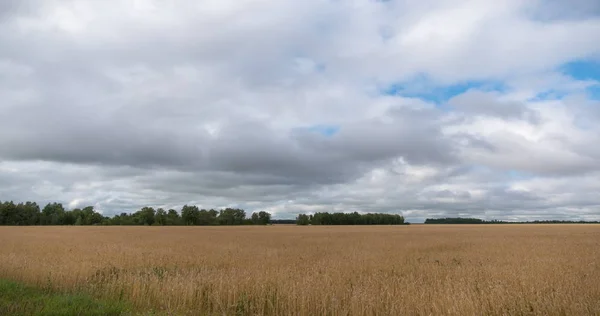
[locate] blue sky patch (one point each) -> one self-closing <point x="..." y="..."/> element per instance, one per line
<point x="584" y="70"/>
<point x="549" y="95"/>
<point x="519" y="175"/>
<point x="594" y="92"/>
<point x="325" y="130"/>
<point x="424" y="89"/>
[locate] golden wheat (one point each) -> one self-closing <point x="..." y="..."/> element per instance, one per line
<point x="292" y="270"/>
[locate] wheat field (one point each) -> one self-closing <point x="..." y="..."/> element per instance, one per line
<point x="312" y="270"/>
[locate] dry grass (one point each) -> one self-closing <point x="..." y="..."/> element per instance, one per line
<point x="285" y="270"/>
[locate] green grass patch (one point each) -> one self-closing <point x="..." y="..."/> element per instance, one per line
<point x="17" y="299"/>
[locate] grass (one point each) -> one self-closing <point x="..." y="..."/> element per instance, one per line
<point x="341" y="270"/>
<point x="17" y="299"/>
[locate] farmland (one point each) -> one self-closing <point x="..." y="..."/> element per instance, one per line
<point x="316" y="270"/>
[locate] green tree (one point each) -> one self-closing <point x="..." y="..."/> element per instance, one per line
<point x="207" y="217"/>
<point x="264" y="218"/>
<point x="190" y="215"/>
<point x="231" y="216"/>
<point x="147" y="216"/>
<point x="9" y="213"/>
<point x="160" y="217"/>
<point x="302" y="219"/>
<point x="52" y="214"/>
<point x="28" y="213"/>
<point x="338" y="218"/>
<point x="90" y="217"/>
<point x="173" y="217"/>
<point x="255" y="219"/>
<point x="68" y="218"/>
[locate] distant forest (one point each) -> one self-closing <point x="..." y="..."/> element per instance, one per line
<point x="460" y="220"/>
<point x="29" y="213"/>
<point x="350" y="219"/>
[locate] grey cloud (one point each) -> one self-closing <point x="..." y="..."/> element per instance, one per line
<point x="477" y="142"/>
<point x="65" y="125"/>
<point x="514" y="152"/>
<point x="413" y="134"/>
<point x="476" y="102"/>
<point x="566" y="9"/>
<point x="241" y="146"/>
<point x="85" y="139"/>
<point x="12" y="8"/>
<point x="451" y="194"/>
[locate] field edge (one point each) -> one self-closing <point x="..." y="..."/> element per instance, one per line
<point x="20" y="299"/>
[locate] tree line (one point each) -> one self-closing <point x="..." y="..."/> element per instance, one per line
<point x="283" y="221"/>
<point x="30" y="213"/>
<point x="454" y="220"/>
<point x="324" y="218"/>
<point x="460" y="220"/>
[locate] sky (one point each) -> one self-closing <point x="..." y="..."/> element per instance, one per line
<point x="431" y="108"/>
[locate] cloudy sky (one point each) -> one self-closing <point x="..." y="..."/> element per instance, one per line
<point x="426" y="108"/>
